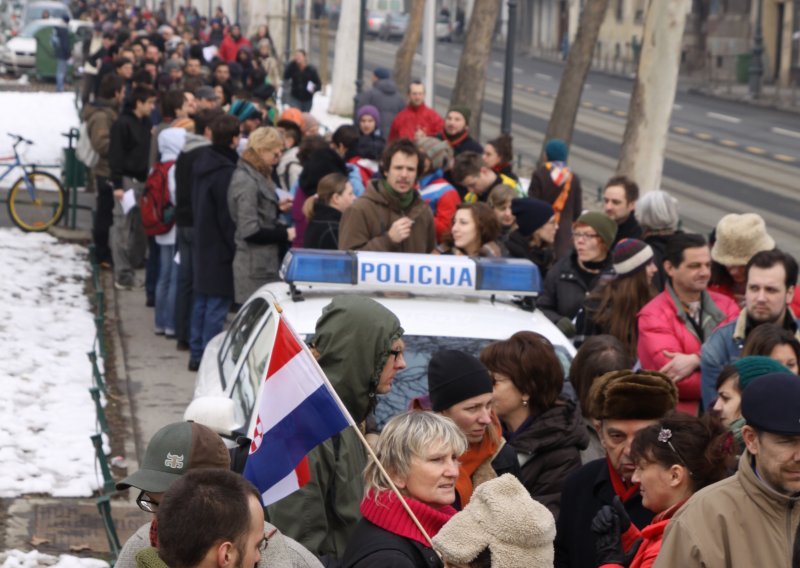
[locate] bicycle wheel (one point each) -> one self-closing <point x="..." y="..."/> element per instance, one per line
<point x="44" y="210"/>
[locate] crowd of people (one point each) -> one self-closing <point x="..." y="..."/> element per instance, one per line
<point x="210" y="168"/>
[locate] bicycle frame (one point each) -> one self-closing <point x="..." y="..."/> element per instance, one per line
<point x="17" y="163"/>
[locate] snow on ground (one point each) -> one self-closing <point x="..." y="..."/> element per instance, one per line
<point x="319" y="110"/>
<point x="35" y="559"/>
<point x="39" y="117"/>
<point x="46" y="329"/>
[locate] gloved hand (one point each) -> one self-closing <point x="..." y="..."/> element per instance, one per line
<point x="622" y="513"/>
<point x="567" y="327"/>
<point x="608" y="544"/>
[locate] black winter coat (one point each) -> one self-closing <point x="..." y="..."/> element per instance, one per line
<point x="374" y="547"/>
<point x="370" y="146"/>
<point x="184" y="179"/>
<point x="468" y="144"/>
<point x="629" y="229"/>
<point x="518" y="247"/>
<point x="549" y="450"/>
<point x="584" y="493"/>
<point x="300" y="78"/>
<point x="565" y="290"/>
<point x="659" y="245"/>
<point x="322" y="232"/>
<point x="213" y="247"/>
<point x="129" y="148"/>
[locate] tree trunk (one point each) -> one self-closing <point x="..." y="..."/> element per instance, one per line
<point x="404" y="60"/>
<point x="647" y="129"/>
<point x="345" y="60"/>
<point x="471" y="77"/>
<point x="570" y="89"/>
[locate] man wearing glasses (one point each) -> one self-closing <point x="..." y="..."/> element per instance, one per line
<point x="172" y="452"/>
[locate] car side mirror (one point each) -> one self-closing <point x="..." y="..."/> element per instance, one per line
<point x="216" y="412"/>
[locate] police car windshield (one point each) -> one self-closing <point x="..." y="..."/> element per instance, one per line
<point x="412" y="381"/>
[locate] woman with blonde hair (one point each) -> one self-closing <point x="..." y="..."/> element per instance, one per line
<point x="324" y="211"/>
<point x="419" y="451"/>
<point x="261" y="240"/>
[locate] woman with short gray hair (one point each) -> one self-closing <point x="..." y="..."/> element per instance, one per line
<point x="419" y="450"/>
<point x="658" y="217"/>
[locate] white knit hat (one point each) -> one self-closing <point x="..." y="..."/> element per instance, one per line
<point x="739" y="238"/>
<point x="503" y="517"/>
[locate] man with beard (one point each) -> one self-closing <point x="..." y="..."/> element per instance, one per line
<point x="771" y="278"/>
<point x="232" y="43"/>
<point x="456" y="131"/>
<point x="621" y="404"/>
<point x="417" y="118"/>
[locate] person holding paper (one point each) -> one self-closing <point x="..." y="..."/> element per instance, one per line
<point x="303" y="81"/>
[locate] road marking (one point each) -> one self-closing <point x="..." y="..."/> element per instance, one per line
<point x="703" y="136"/>
<point x="530" y="89"/>
<point x="729" y="143"/>
<point x="497" y="64"/>
<point x="542" y="76"/>
<point x="786" y="132"/>
<point x="677" y="107"/>
<point x="681" y="130"/>
<point x="622" y="94"/>
<point x="587" y="105"/>
<point x="517" y="70"/>
<point x="603" y="109"/>
<point x="784" y="158"/>
<point x="755" y="150"/>
<point x="546" y="93"/>
<point x="621" y="113"/>
<point x="724" y="117"/>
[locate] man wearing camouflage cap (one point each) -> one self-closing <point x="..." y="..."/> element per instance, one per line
<point x="174" y="450"/>
<point x="751" y="518"/>
<point x="621" y="403"/>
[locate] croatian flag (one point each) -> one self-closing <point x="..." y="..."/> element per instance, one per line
<point x="298" y="411"/>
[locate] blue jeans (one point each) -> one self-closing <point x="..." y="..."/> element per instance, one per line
<point x="166" y="290"/>
<point x="183" y="302"/>
<point x="61" y="74"/>
<point x="208" y="319"/>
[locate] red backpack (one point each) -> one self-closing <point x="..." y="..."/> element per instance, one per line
<point x="158" y="212"/>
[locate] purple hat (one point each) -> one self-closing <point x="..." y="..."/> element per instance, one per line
<point x="369" y="110"/>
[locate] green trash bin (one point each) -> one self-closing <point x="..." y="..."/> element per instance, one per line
<point x="74" y="170"/>
<point x="743" y="67"/>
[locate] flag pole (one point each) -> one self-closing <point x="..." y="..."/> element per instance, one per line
<point x="361" y="437"/>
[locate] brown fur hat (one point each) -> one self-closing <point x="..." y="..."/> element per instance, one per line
<point x="629" y="395"/>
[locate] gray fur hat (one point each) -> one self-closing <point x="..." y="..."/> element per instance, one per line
<point x="503" y="517"/>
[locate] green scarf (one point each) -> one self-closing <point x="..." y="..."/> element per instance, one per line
<point x="403" y="199"/>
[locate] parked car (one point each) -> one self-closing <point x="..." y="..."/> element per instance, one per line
<point x="437" y="309"/>
<point x="444" y="28"/>
<point x="18" y="55"/>
<point x="375" y="20"/>
<point x="394" y="26"/>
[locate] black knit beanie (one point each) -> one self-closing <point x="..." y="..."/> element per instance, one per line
<point x="455" y="376"/>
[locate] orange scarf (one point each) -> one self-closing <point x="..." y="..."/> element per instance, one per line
<point x="472" y="459"/>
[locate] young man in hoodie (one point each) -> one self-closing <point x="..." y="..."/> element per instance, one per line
<point x="128" y="157"/>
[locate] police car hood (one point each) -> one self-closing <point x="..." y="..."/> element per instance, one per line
<point x="354" y="336"/>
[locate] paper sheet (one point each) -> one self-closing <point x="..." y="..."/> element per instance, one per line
<point x="128" y="201"/>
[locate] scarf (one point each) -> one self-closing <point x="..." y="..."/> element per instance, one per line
<point x="388" y="513"/>
<point x="252" y="158"/>
<point x="154" y="532"/>
<point x="624" y="490"/>
<point x="403" y="199"/>
<point x="457" y="139"/>
<point x="664" y="515"/>
<point x="472" y="459"/>
<point x="499" y="168"/>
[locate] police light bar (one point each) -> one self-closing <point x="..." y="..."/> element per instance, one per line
<point x="411" y="272"/>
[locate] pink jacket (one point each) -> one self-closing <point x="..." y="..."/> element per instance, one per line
<point x="663" y="327"/>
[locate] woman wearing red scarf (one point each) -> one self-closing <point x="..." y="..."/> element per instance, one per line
<point x="675" y="458"/>
<point x="420" y="452"/>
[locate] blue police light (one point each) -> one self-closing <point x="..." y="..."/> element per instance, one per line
<point x="422" y="273"/>
<point x="508" y="275"/>
<point x="323" y="266"/>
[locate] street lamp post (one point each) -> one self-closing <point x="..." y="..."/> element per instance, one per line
<point x="508" y="78"/>
<point x="756" y="70"/>
<point x="288" y="32"/>
<point x="362" y="33"/>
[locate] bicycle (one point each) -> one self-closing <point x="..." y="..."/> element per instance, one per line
<point x="37" y="199"/>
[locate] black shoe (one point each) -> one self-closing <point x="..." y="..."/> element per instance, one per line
<point x="150" y="302"/>
<point x="183" y="345"/>
<point x="194" y="364"/>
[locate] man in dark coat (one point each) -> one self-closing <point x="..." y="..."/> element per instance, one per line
<point x="456" y="131"/>
<point x="213" y="246"/>
<point x="384" y="96"/>
<point x="303" y="81"/>
<point x="619" y="202"/>
<point x="63" y="50"/>
<point x="555" y="183"/>
<point x="621" y="403"/>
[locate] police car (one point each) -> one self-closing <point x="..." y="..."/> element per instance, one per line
<point x="442" y="302"/>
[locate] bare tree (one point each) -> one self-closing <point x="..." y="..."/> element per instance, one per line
<point x="404" y="60"/>
<point x="345" y="60"/>
<point x="471" y="76"/>
<point x="565" y="109"/>
<point x="647" y="130"/>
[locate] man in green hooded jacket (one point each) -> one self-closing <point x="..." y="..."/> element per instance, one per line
<point x="359" y="345"/>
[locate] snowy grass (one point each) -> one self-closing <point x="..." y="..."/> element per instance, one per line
<point x="34" y="559"/>
<point x="46" y="328"/>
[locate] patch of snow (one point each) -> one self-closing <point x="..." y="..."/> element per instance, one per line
<point x="46" y="329"/>
<point x="319" y="110"/>
<point x="34" y="559"/>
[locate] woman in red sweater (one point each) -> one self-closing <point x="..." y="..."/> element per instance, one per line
<point x="675" y="458"/>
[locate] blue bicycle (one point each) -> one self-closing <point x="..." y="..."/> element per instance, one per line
<point x="37" y="199"/>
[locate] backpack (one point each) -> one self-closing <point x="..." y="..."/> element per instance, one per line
<point x="157" y="211"/>
<point x="84" y="150"/>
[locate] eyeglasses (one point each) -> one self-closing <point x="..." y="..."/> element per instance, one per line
<point x="584" y="236"/>
<point x="146" y="504"/>
<point x="665" y="437"/>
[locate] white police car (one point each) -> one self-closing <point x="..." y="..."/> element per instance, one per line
<point x="442" y="302"/>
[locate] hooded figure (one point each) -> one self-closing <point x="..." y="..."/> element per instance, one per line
<point x="353" y="338"/>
